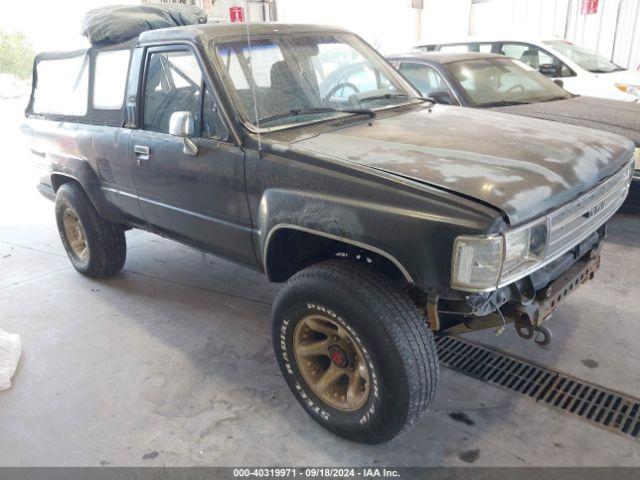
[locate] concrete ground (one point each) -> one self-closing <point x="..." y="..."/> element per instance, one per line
<point x="170" y="363"/>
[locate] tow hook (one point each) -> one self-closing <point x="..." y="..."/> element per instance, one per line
<point x="542" y="334"/>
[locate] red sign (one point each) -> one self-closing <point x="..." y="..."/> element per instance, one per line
<point x="236" y="14"/>
<point x="589" y="6"/>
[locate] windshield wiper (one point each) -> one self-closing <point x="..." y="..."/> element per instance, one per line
<point x="310" y="111"/>
<point x="554" y="99"/>
<point x="504" y="103"/>
<point x="389" y="96"/>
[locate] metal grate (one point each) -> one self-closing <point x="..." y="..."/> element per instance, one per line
<point x="598" y="405"/>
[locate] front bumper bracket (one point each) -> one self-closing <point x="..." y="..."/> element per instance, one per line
<point x="549" y="298"/>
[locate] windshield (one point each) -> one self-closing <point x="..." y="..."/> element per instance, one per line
<point x="586" y="59"/>
<point x="311" y="77"/>
<point x="490" y="82"/>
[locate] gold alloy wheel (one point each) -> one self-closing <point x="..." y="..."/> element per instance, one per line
<point x="75" y="235"/>
<point x="331" y="362"/>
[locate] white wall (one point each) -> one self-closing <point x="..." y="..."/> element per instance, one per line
<point x="444" y="20"/>
<point x="389" y="25"/>
<point x="532" y="18"/>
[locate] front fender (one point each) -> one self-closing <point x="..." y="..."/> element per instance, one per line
<point x="418" y="243"/>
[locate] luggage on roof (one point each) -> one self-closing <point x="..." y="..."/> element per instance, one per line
<point x="119" y="23"/>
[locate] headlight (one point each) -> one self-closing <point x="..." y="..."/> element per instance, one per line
<point x="477" y="261"/>
<point x="629" y="88"/>
<point x="524" y="247"/>
<point x="482" y="263"/>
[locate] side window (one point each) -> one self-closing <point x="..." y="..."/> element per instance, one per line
<point x="110" y="78"/>
<point x="425" y="78"/>
<point x="529" y="54"/>
<point x="212" y="124"/>
<point x="480" y="47"/>
<point x="467" y="47"/>
<point x="536" y="58"/>
<point x="62" y="86"/>
<point x="173" y="83"/>
<point x="454" y="48"/>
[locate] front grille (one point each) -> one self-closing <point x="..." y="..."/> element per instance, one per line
<point x="574" y="222"/>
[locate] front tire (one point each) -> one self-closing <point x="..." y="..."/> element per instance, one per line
<point x="354" y="350"/>
<point x="96" y="248"/>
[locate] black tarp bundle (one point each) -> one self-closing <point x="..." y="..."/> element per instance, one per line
<point x="119" y="23"/>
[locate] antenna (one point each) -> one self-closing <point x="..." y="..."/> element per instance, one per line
<point x="253" y="81"/>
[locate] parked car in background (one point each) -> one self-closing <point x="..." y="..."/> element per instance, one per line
<point x="501" y="84"/>
<point x="387" y="217"/>
<point x="582" y="72"/>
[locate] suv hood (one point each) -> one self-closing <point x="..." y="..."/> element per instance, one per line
<point x="521" y="166"/>
<point x="613" y="116"/>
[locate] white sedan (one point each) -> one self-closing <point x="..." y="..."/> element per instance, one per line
<point x="580" y="71"/>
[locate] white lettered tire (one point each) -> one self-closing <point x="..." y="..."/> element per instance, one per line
<point x="354" y="350"/>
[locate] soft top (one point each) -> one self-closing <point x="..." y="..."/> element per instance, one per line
<point x="119" y="23"/>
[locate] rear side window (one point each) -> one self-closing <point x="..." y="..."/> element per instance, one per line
<point x="62" y="86"/>
<point x="110" y="79"/>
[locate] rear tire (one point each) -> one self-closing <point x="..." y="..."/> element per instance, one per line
<point x="378" y="332"/>
<point x="96" y="248"/>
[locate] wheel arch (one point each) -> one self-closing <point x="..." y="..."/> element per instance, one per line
<point x="289" y="248"/>
<point x="96" y="197"/>
<point x="59" y="179"/>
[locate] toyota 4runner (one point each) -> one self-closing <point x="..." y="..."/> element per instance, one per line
<point x="389" y="219"/>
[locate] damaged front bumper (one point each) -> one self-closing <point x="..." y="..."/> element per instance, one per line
<point x="529" y="302"/>
<point x="547" y="300"/>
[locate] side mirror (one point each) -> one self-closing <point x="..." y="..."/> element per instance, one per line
<point x="441" y="97"/>
<point x="549" y="70"/>
<point x="559" y="82"/>
<point x="182" y="124"/>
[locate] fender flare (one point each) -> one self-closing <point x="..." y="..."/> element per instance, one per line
<point x="355" y="243"/>
<point x="91" y="188"/>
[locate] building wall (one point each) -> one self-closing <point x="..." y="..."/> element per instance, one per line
<point x="255" y="10"/>
<point x="389" y="25"/>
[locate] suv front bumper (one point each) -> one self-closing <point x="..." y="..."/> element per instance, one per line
<point x="528" y="302"/>
<point x="547" y="300"/>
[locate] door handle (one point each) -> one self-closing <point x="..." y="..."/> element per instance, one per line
<point x="142" y="153"/>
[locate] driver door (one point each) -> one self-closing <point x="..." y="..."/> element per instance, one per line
<point x="197" y="199"/>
